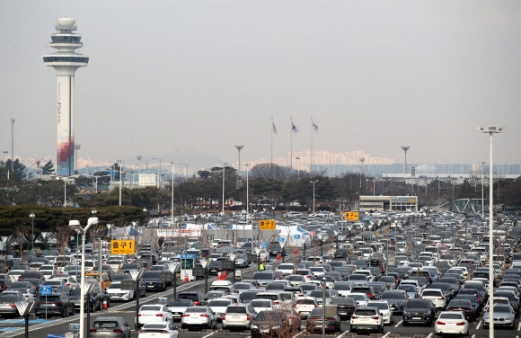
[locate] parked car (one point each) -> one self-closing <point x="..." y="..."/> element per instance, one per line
<point x="109" y="326"/>
<point x="158" y="330"/>
<point x="269" y="322"/>
<point x="7" y="304"/>
<point x="345" y="307"/>
<point x="178" y="306"/>
<point x="315" y="322"/>
<point x="237" y="316"/>
<point x="504" y="315"/>
<point x="196" y="296"/>
<point x="384" y="309"/>
<point x="451" y="323"/>
<point x="366" y="319"/>
<point x="55" y="304"/>
<point x="419" y="311"/>
<point x="151" y="313"/>
<point x="198" y="316"/>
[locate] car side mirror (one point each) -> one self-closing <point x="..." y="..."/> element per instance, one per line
<point x="174" y="328"/>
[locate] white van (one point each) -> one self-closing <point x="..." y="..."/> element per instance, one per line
<point x="222" y="283"/>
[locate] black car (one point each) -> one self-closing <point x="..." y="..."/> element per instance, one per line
<point x="152" y="281"/>
<point x="345" y="307"/>
<point x="314" y="321"/>
<point x="35" y="278"/>
<point x="465" y="306"/>
<point x="216" y="266"/>
<point x="196" y="296"/>
<point x="55" y="304"/>
<point x="269" y="322"/>
<point x="341" y="253"/>
<point x="96" y="298"/>
<point x="275" y="249"/>
<point x="396" y="300"/>
<point x="420" y="311"/>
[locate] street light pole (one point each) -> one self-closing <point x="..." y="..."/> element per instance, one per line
<point x="75" y="225"/>
<point x="491" y="131"/>
<point x="120" y="180"/>
<point x="405" y="148"/>
<point x="224" y="175"/>
<point x="32" y="230"/>
<point x="298" y="167"/>
<point x="173" y="174"/>
<point x="482" y="192"/>
<point x="313" y="182"/>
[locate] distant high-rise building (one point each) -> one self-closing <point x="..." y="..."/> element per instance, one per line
<point x="65" y="61"/>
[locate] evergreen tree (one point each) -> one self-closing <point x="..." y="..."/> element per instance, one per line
<point x="48" y="168"/>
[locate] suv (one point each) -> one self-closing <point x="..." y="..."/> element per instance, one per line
<point x="436" y="296"/>
<point x="275" y="249"/>
<point x="115" y="327"/>
<point x="419" y="311"/>
<point x="237" y="316"/>
<point x="367" y="318"/>
<point x="195" y="296"/>
<point x="368" y="290"/>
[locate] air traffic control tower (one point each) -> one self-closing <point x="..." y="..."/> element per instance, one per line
<point x="65" y="61"/>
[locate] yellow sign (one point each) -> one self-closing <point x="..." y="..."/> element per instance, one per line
<point x="351" y="216"/>
<point x="127" y="247"/>
<point x="267" y="224"/>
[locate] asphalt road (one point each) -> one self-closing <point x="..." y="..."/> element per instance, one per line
<point x="127" y="311"/>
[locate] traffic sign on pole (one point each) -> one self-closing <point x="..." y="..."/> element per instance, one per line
<point x="120" y="247"/>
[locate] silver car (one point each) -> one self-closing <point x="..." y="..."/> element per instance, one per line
<point x="504" y="315"/>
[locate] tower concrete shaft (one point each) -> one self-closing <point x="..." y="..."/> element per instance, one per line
<point x="65" y="61"/>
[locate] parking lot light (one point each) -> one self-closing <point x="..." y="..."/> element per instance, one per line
<point x="491" y="131"/>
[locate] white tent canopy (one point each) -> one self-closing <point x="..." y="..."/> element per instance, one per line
<point x="294" y="236"/>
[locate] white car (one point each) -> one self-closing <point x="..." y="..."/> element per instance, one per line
<point x="436" y="296"/>
<point x="219" y="305"/>
<point x="451" y="322"/>
<point x="304" y="306"/>
<point x="159" y="330"/>
<point x="261" y="304"/>
<point x="296" y="280"/>
<point x="360" y="298"/>
<point x="154" y="313"/>
<point x="384" y="309"/>
<point x="200" y="316"/>
<point x="286" y="268"/>
<point x="366" y="318"/>
<point x="115" y="293"/>
<point x="317" y="271"/>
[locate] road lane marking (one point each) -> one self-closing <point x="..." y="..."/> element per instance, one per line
<point x="401" y="321"/>
<point x="430" y="335"/>
<point x="479" y="325"/>
<point x="519" y="326"/>
<point x="208" y="335"/>
<point x="385" y="335"/>
<point x="343" y="333"/>
<point x="473" y="336"/>
<point x="298" y="334"/>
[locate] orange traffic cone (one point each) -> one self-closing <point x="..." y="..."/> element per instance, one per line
<point x="105" y="305"/>
<point x="185" y="279"/>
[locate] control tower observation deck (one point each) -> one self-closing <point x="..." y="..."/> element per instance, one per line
<point x="65" y="61"/>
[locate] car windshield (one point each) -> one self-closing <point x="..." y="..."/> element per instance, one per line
<point x="196" y="309"/>
<point x="105" y="325"/>
<point x="342" y="287"/>
<point x="18" y="285"/>
<point x="296" y="278"/>
<point x="356" y="297"/>
<point x="236" y="309"/>
<point x="358" y="277"/>
<point x="417" y="304"/>
<point x="392" y="295"/>
<point x="260" y="303"/>
<point x="247" y="296"/>
<point x="150" y="308"/>
<point x="365" y="312"/>
<point x="502" y="308"/>
<point x="308" y="287"/>
<point x="263" y="275"/>
<point x="379" y="305"/>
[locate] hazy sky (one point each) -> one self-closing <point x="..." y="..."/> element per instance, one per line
<point x="185" y="80"/>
